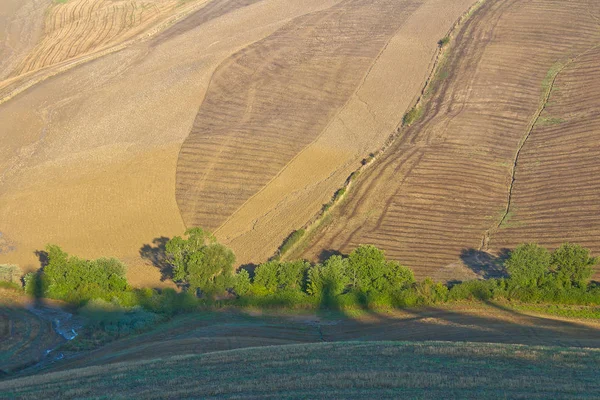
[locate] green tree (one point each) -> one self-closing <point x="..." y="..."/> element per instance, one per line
<point x="241" y="282"/>
<point x="368" y="270"/>
<point x="573" y="265"/>
<point x="274" y="275"/>
<point x="365" y="263"/>
<point x="329" y="279"/>
<point x="74" y="279"/>
<point x="200" y="261"/>
<point x="528" y="265"/>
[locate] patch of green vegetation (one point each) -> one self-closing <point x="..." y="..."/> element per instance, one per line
<point x="551" y="75"/>
<point x="561" y="310"/>
<point x="509" y="221"/>
<point x="291" y="241"/>
<point x="10" y="285"/>
<point x="546" y="121"/>
<point x="412" y="116"/>
<point x="444" y="41"/>
<point x="61" y="1"/>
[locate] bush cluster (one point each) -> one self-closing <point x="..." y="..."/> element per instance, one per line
<point x="365" y="278"/>
<point x="538" y="275"/>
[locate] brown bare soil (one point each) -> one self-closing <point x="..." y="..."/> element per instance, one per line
<point x="89" y="143"/>
<point x="555" y="197"/>
<point x="89" y="155"/>
<point x="444" y="186"/>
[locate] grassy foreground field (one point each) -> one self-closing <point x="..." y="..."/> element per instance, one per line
<point x="336" y="370"/>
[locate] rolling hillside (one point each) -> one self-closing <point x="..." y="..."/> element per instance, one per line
<point x="502" y="154"/>
<point x="91" y="154"/>
<point x="336" y="370"/>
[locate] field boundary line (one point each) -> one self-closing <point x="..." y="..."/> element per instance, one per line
<point x="316" y="221"/>
<point x="337" y="114"/>
<point x="485" y="241"/>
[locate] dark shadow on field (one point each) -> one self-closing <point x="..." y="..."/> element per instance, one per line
<point x="209" y="330"/>
<point x="485" y="264"/>
<point x="42" y="257"/>
<point x="37" y="287"/>
<point x="156" y="254"/>
<point x="327" y="253"/>
<point x="250" y="268"/>
<point x="489" y="323"/>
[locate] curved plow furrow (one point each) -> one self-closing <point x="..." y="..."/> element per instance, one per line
<point x="81" y="26"/>
<point x="269" y="101"/>
<point x="556" y="194"/>
<point x="487" y="95"/>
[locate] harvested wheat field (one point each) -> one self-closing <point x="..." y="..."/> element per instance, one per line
<point x="209" y="331"/>
<point x="364" y="361"/>
<point x="513" y="72"/>
<point x="287" y="119"/>
<point x="284" y="100"/>
<point x="336" y="370"/>
<point x="89" y="155"/>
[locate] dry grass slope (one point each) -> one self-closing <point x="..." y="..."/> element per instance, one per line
<point x="443" y="186"/>
<point x="340" y="370"/>
<point x="270" y="100"/>
<point x="77" y="27"/>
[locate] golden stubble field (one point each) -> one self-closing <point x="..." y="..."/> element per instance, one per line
<point x="504" y="153"/>
<point x="91" y="134"/>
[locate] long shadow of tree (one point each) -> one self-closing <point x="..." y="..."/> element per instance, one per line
<point x="156" y="254"/>
<point x="485" y="264"/>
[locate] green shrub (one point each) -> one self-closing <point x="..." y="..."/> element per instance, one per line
<point x="412" y="116"/>
<point x="572" y="265"/>
<point x="431" y="292"/>
<point x="274" y="276"/>
<point x="444" y="41"/>
<point x="200" y="262"/>
<point x="10" y="273"/>
<point x="241" y="282"/>
<point x="528" y="265"/>
<point x="330" y="279"/>
<point x="291" y="241"/>
<point x="472" y="290"/>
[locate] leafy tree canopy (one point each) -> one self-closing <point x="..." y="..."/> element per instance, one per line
<point x="200" y="261"/>
<point x="573" y="265"/>
<point x="528" y="264"/>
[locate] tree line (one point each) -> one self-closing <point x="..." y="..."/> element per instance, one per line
<point x="204" y="270"/>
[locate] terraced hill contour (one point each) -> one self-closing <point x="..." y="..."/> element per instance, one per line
<point x="89" y="145"/>
<point x="515" y="98"/>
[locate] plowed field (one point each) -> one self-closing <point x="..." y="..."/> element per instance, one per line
<point x="283" y="98"/>
<point x="76" y="27"/>
<point x="556" y="191"/>
<point x="447" y="184"/>
<point x="89" y="155"/>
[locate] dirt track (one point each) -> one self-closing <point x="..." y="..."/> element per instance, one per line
<point x="443" y="187"/>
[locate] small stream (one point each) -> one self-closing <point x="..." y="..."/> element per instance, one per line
<point x="63" y="323"/>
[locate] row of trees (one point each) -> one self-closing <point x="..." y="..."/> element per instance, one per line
<point x="74" y="280"/>
<point x="365" y="275"/>
<point x="205" y="269"/>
